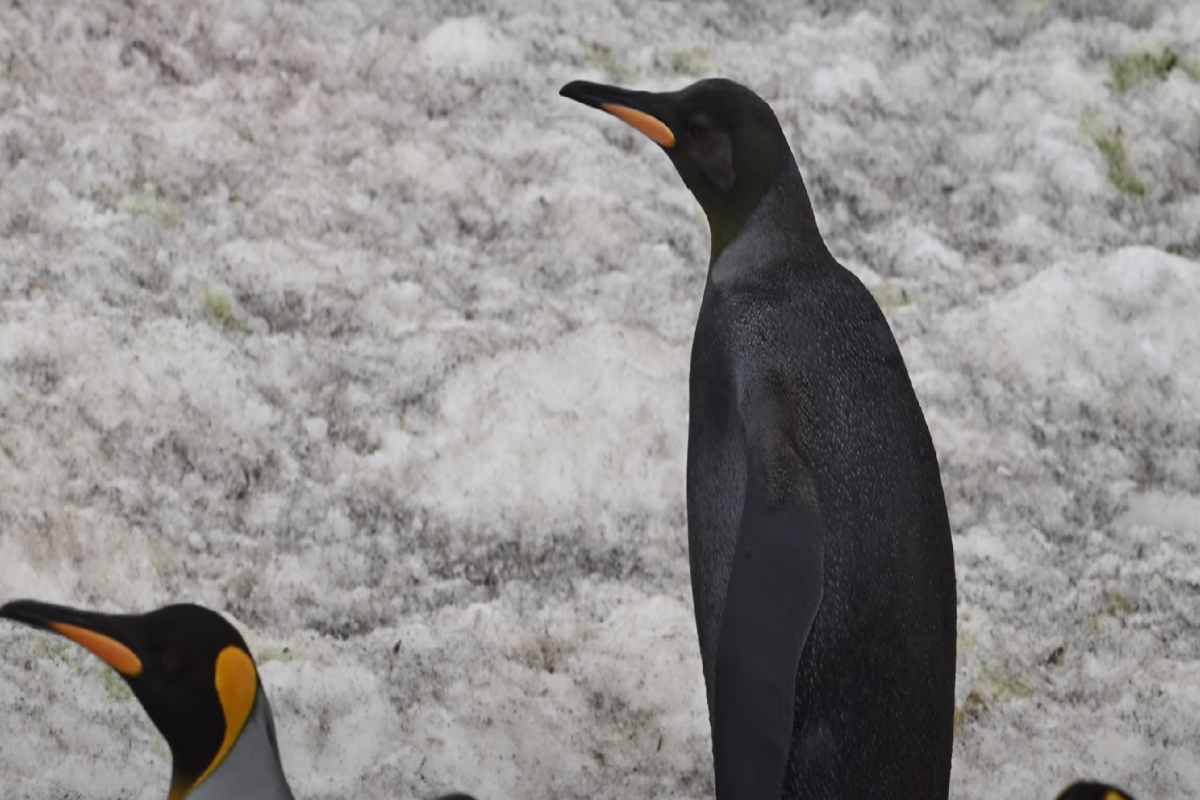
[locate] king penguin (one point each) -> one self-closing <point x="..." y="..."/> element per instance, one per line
<point x="1089" y="790"/>
<point x="194" y="675"/>
<point x="821" y="561"/>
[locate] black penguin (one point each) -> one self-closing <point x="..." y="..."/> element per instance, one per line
<point x="1087" y="790"/>
<point x="821" y="561"/>
<point x="193" y="674"/>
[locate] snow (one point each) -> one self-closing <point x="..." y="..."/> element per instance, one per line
<point x="335" y="317"/>
<point x="467" y="43"/>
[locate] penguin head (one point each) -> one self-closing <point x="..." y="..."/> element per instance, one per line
<point x="1089" y="790"/>
<point x="188" y="667"/>
<point x="723" y="139"/>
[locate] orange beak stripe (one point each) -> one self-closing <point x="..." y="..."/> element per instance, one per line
<point x="653" y="127"/>
<point x="109" y="650"/>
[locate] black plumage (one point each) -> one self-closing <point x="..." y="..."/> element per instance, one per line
<point x="821" y="559"/>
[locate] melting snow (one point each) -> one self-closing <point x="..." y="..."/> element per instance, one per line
<point x="335" y="317"/>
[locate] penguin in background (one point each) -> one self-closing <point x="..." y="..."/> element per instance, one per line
<point x="193" y="674"/>
<point x="1089" y="790"/>
<point x="821" y="561"/>
<point x="1092" y="791"/>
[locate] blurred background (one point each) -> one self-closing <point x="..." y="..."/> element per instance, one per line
<point x="335" y="317"/>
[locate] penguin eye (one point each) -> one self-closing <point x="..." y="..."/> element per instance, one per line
<point x="699" y="128"/>
<point x="712" y="150"/>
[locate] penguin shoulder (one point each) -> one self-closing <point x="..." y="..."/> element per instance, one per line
<point x="862" y="328"/>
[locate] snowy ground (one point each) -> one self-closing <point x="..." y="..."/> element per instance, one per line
<point x="335" y="317"/>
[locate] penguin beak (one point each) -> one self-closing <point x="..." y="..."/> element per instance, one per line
<point x="108" y="636"/>
<point x="645" y="111"/>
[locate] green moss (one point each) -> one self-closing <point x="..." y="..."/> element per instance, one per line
<point x="1117" y="604"/>
<point x="890" y="296"/>
<point x="995" y="688"/>
<point x="219" y="308"/>
<point x="1033" y="7"/>
<point x="1111" y="144"/>
<point x="150" y="203"/>
<point x="274" y="654"/>
<point x="973" y="707"/>
<point x="602" y="56"/>
<point x="687" y="61"/>
<point x="1004" y="687"/>
<point x="1133" y="68"/>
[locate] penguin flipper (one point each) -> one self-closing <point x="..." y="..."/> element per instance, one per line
<point x="774" y="591"/>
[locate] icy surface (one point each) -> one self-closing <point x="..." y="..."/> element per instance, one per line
<point x="335" y="317"/>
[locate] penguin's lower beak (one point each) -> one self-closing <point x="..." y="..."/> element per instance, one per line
<point x="108" y="636"/>
<point x="646" y="111"/>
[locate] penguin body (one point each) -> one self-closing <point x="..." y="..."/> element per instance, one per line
<point x="821" y="560"/>
<point x="795" y="376"/>
<point x="252" y="768"/>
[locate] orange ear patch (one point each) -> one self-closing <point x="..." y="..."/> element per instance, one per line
<point x="652" y="126"/>
<point x="237" y="685"/>
<point x="109" y="650"/>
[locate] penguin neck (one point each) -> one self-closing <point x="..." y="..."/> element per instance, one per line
<point x="252" y="770"/>
<point x="781" y="223"/>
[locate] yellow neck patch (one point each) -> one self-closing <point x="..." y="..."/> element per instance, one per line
<point x="652" y="126"/>
<point x="237" y="686"/>
<point x="107" y="649"/>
